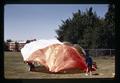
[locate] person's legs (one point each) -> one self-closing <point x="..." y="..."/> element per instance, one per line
<point x="90" y="73"/>
<point x="89" y="70"/>
<point x="95" y="65"/>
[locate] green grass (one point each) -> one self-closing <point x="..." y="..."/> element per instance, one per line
<point x="15" y="68"/>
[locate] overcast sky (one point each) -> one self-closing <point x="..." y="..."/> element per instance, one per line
<point x="39" y="21"/>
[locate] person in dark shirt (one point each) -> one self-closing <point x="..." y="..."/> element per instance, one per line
<point x="89" y="62"/>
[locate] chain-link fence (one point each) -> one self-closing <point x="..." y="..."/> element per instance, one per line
<point x="101" y="52"/>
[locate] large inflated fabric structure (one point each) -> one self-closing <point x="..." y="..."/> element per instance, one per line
<point x="54" y="55"/>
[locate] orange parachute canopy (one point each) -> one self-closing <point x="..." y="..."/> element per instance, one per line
<point x="56" y="57"/>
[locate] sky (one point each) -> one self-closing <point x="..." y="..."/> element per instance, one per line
<point x="39" y="21"/>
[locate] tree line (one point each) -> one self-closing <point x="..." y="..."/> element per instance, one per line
<point x="89" y="30"/>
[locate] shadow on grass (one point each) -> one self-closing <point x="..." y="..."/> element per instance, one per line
<point x="67" y="71"/>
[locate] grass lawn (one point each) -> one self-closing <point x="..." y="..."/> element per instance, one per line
<point x="15" y="68"/>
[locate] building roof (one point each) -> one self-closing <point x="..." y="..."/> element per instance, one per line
<point x="11" y="42"/>
<point x="22" y="42"/>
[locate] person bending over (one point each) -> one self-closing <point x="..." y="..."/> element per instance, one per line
<point x="89" y="62"/>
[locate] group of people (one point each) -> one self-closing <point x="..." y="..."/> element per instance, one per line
<point x="86" y="55"/>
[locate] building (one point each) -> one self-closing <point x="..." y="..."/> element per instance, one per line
<point x="17" y="46"/>
<point x="11" y="46"/>
<point x="21" y="45"/>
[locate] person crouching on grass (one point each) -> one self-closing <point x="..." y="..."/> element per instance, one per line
<point x="89" y="62"/>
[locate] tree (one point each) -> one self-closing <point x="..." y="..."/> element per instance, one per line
<point x="110" y="15"/>
<point x="110" y="24"/>
<point x="88" y="30"/>
<point x="28" y="41"/>
<point x="107" y="31"/>
<point x="71" y="29"/>
<point x="80" y="29"/>
<point x="90" y="33"/>
<point x="9" y="40"/>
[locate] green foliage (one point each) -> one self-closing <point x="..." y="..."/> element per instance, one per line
<point x="9" y="40"/>
<point x="107" y="30"/>
<point x="88" y="30"/>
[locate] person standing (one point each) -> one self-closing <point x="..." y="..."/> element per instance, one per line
<point x="89" y="62"/>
